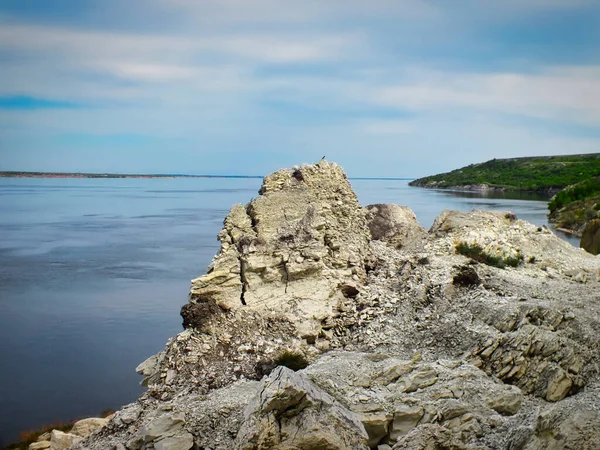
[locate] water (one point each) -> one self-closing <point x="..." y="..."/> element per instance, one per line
<point x="93" y="274"/>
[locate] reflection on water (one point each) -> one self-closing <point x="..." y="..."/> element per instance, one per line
<point x="93" y="273"/>
<point x="503" y="195"/>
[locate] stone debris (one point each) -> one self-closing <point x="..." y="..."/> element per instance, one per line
<point x="62" y="441"/>
<point x="396" y="341"/>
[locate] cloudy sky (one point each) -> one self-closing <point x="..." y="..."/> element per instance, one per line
<point x="384" y="87"/>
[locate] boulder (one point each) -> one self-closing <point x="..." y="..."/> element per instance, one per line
<point x="590" y="238"/>
<point x="62" y="441"/>
<point x="289" y="250"/>
<point x="182" y="441"/>
<point x="87" y="426"/>
<point x="40" y="445"/>
<point x="291" y="412"/>
<point x="163" y="426"/>
<point x="393" y="224"/>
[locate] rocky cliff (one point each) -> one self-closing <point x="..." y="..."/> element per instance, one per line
<point x="324" y="325"/>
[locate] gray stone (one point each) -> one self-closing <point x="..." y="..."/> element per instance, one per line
<point x="184" y="441"/>
<point x="508" y="402"/>
<point x="405" y="419"/>
<point x="165" y="425"/>
<point x="128" y="414"/>
<point x="291" y="412"/>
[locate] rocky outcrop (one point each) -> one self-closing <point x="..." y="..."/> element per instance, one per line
<point x="294" y="249"/>
<point x="395" y="225"/>
<point x="321" y="324"/>
<point x="590" y="239"/>
<point x="290" y="412"/>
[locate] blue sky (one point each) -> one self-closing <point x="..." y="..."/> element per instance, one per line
<point x="383" y="87"/>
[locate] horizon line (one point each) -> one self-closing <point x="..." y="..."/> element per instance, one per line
<point x="50" y="174"/>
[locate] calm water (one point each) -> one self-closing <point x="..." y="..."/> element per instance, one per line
<point x="93" y="274"/>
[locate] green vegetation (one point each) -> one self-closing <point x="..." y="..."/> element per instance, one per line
<point x="292" y="360"/>
<point x="573" y="207"/>
<point x="580" y="191"/>
<point x="476" y="253"/>
<point x="520" y="174"/>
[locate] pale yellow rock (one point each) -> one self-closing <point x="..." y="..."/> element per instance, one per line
<point x="405" y="419"/>
<point x="85" y="427"/>
<point x="559" y="387"/>
<point x="62" y="441"/>
<point x="40" y="445"/>
<point x="376" y="425"/>
<point x="291" y="249"/>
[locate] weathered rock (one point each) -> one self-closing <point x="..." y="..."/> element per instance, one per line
<point x="590" y="238"/>
<point x="290" y="412"/>
<point x="44" y="436"/>
<point x="507" y="402"/>
<point x="128" y="414"/>
<point x="61" y="441"/>
<point x="150" y="369"/>
<point x="163" y="426"/>
<point x="183" y="441"/>
<point x="405" y="419"/>
<point x="396" y="225"/>
<point x="87" y="426"/>
<point x="40" y="445"/>
<point x="289" y="250"/>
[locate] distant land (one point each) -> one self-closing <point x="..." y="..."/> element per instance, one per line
<point x="574" y="179"/>
<point x="17" y="174"/>
<point x="547" y="174"/>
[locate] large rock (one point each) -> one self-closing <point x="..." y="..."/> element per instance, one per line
<point x="590" y="239"/>
<point x="396" y="225"/>
<point x="87" y="426"/>
<point x="61" y="441"/>
<point x="290" y="412"/>
<point x="290" y="250"/>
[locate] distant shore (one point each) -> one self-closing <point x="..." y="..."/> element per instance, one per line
<point x="15" y="174"/>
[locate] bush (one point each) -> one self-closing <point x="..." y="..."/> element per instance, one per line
<point x="476" y="253"/>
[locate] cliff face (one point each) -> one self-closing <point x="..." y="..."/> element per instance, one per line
<point x="397" y="340"/>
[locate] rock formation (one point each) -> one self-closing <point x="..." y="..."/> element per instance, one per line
<point x="590" y="239"/>
<point x="324" y="325"/>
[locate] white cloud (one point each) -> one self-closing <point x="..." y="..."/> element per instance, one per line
<point x="571" y="95"/>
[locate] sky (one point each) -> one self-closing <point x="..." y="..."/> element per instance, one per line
<point x="390" y="88"/>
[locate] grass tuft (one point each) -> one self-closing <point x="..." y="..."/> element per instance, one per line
<point x="476" y="253"/>
<point x="291" y="360"/>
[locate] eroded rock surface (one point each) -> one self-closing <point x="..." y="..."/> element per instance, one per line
<point x="293" y="249"/>
<point x="400" y="341"/>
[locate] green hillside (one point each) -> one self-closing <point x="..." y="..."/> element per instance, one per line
<point x="576" y="205"/>
<point x="544" y="173"/>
